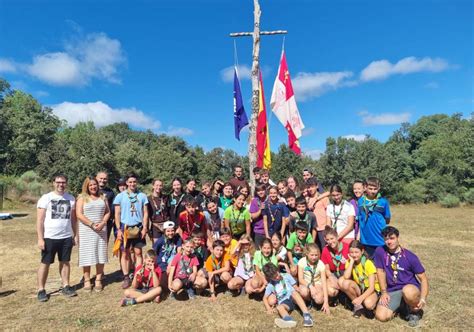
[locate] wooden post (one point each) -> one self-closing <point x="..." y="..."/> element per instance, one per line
<point x="252" y="151"/>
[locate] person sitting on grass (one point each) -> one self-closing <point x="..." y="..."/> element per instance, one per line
<point x="296" y="243"/>
<point x="312" y="277"/>
<point x="244" y="275"/>
<point x="335" y="255"/>
<point x="200" y="248"/>
<point x="280" y="252"/>
<point x="360" y="280"/>
<point x="229" y="246"/>
<point x="183" y="270"/>
<point x="217" y="270"/>
<point x="146" y="282"/>
<point x="402" y="278"/>
<point x="281" y="291"/>
<point x="263" y="256"/>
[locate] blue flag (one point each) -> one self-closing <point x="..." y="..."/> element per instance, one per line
<point x="240" y="118"/>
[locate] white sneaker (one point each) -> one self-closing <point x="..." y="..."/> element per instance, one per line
<point x="285" y="324"/>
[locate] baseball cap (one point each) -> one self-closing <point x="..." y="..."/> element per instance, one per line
<point x="168" y="224"/>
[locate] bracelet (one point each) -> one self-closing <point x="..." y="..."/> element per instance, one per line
<point x="383" y="291"/>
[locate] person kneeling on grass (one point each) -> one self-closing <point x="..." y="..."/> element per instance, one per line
<point x="282" y="291"/>
<point x="183" y="270"/>
<point x="360" y="280"/>
<point x="402" y="278"/>
<point x="146" y="282"/>
<point x="312" y="277"/>
<point x="244" y="275"/>
<point x="216" y="270"/>
<point x="296" y="243"/>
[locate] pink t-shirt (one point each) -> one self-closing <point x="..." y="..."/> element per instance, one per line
<point x="184" y="265"/>
<point x="320" y="212"/>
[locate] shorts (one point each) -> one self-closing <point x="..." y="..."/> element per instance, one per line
<point x="62" y="247"/>
<point x="144" y="290"/>
<point x="396" y="299"/>
<point x="289" y="303"/>
<point x="138" y="243"/>
<point x="217" y="278"/>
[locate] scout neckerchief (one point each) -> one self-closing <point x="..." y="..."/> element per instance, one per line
<point x="273" y="216"/>
<point x="233" y="220"/>
<point x="393" y="260"/>
<point x="336" y="216"/>
<point x="185" y="265"/>
<point x="337" y="259"/>
<point x="169" y="248"/>
<point x="284" y="290"/>
<point x="218" y="265"/>
<point x="304" y="219"/>
<point x="133" y="200"/>
<point x="247" y="260"/>
<point x="158" y="209"/>
<point x="361" y="277"/>
<point x="145" y="281"/>
<point x="175" y="202"/>
<point x="266" y="260"/>
<point x="215" y="221"/>
<point x="225" y="202"/>
<point x="311" y="270"/>
<point x="368" y="205"/>
<point x="189" y="222"/>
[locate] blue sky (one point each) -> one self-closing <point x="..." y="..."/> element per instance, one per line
<point x="358" y="67"/>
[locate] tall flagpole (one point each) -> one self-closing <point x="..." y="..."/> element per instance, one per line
<point x="252" y="151"/>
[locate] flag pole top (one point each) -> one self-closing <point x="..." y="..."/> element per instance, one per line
<point x="246" y="34"/>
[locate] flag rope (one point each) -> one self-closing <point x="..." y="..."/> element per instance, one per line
<point x="236" y="58"/>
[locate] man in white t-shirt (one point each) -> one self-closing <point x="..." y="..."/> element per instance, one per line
<point x="56" y="229"/>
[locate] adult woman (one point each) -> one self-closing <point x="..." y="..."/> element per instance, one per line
<point x="340" y="215"/>
<point x="293" y="185"/>
<point x="237" y="217"/>
<point x="225" y="200"/>
<point x="216" y="188"/>
<point x="245" y="189"/>
<point x="93" y="211"/>
<point x="176" y="200"/>
<point x="257" y="211"/>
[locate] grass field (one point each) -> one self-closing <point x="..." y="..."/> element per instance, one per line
<point x="442" y="238"/>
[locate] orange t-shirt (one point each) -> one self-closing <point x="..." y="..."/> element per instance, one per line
<point x="213" y="264"/>
<point x="234" y="259"/>
<point x="320" y="212"/>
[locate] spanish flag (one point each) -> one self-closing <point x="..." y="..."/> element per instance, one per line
<point x="263" y="137"/>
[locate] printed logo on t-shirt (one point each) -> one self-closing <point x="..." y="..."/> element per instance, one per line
<point x="60" y="209"/>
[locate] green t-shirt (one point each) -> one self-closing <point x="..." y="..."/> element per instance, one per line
<point x="297" y="246"/>
<point x="237" y="219"/>
<point x="259" y="260"/>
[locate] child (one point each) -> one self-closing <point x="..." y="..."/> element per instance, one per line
<point x="335" y="255"/>
<point x="263" y="256"/>
<point x="215" y="221"/>
<point x="302" y="215"/>
<point x="217" y="268"/>
<point x="183" y="271"/>
<point x="166" y="248"/>
<point x="317" y="203"/>
<point x="146" y="282"/>
<point x="312" y="277"/>
<point x="296" y="243"/>
<point x="200" y="249"/>
<point x="244" y="274"/>
<point x="225" y="200"/>
<point x="229" y="246"/>
<point x="276" y="214"/>
<point x="237" y="217"/>
<point x="283" y="286"/>
<point x="360" y="280"/>
<point x="290" y="199"/>
<point x="280" y="252"/>
<point x="358" y="189"/>
<point x="374" y="215"/>
<point x="340" y="215"/>
<point x="191" y="219"/>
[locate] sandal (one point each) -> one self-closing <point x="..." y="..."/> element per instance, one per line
<point x="89" y="287"/>
<point x="98" y="286"/>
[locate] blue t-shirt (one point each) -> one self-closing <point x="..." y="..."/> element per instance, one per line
<point x="371" y="216"/>
<point x="166" y="249"/>
<point x="275" y="214"/>
<point x="132" y="206"/>
<point x="283" y="289"/>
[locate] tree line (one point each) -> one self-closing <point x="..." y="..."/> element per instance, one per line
<point x="421" y="162"/>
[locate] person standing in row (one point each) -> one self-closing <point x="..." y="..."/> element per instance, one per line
<point x="238" y="180"/>
<point x="158" y="210"/>
<point x="93" y="212"/>
<point x="103" y="179"/>
<point x="131" y="220"/>
<point x="56" y="228"/>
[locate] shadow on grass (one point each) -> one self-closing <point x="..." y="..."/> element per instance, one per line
<point x="7" y="293"/>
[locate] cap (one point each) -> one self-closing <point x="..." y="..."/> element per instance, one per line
<point x="168" y="224"/>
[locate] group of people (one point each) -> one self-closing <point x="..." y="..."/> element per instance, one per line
<point x="287" y="245"/>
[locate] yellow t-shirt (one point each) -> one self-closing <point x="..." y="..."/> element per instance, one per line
<point x="234" y="259"/>
<point x="361" y="273"/>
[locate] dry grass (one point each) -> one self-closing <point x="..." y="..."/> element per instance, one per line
<point x="441" y="237"/>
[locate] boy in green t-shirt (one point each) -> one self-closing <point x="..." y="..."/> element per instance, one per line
<point x="296" y="244"/>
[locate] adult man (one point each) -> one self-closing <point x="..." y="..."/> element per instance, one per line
<point x="56" y="228"/>
<point x="103" y="179"/>
<point x="131" y="220"/>
<point x="401" y="277"/>
<point x="238" y="180"/>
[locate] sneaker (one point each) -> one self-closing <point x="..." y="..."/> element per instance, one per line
<point x="243" y="292"/>
<point x="68" y="291"/>
<point x="42" y="296"/>
<point x="307" y="320"/>
<point x="191" y="293"/>
<point x="126" y="282"/>
<point x="285" y="323"/>
<point x="413" y="320"/>
<point x="172" y="296"/>
<point x="126" y="301"/>
<point x="357" y="312"/>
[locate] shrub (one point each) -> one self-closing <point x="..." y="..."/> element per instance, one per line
<point x="449" y="201"/>
<point x="469" y="196"/>
<point x="413" y="192"/>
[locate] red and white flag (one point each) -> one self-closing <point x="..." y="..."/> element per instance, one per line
<point x="283" y="104"/>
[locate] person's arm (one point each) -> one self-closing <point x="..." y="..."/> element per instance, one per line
<point x="248" y="231"/>
<point x="265" y="225"/>
<point x="80" y="213"/>
<point x="284" y="223"/>
<point x="324" y="284"/>
<point x="105" y="218"/>
<point x="118" y="210"/>
<point x="145" y="219"/>
<point x="262" y="278"/>
<point x="322" y="196"/>
<point x="40" y="216"/>
<point x="268" y="308"/>
<point x="424" y="290"/>
<point x="170" y="277"/>
<point x="387" y="215"/>
<point x="301" y="280"/>
<point x="225" y="268"/>
<point x="348" y="228"/>
<point x="193" y="275"/>
<point x="134" y="280"/>
<point x="348" y="271"/>
<point x="360" y="299"/>
<point x="74" y="225"/>
<point x="328" y="270"/>
<point x="156" y="279"/>
<point x="381" y="276"/>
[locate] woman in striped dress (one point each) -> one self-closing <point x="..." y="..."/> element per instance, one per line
<point x="93" y="212"/>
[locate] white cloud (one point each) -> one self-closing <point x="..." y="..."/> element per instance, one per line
<point x="369" y="119"/>
<point x="307" y="85"/>
<point x="382" y="69"/>
<point x="358" y="138"/>
<point x="244" y="72"/>
<point x="431" y="85"/>
<point x="93" y="56"/>
<point x="313" y="153"/>
<point x="102" y="114"/>
<point x="178" y="131"/>
<point x="7" y="66"/>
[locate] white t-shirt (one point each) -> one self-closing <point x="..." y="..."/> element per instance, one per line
<point x="347" y="210"/>
<point x="57" y="222"/>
